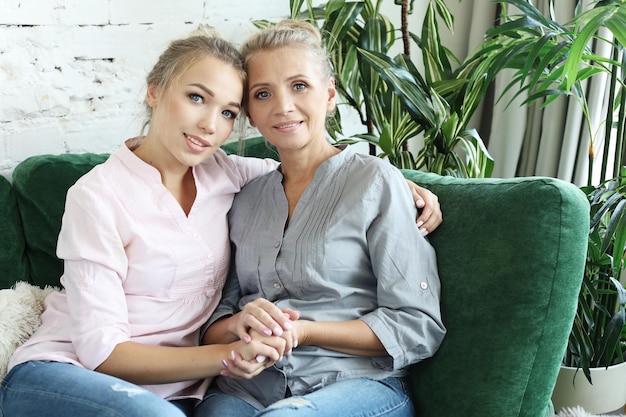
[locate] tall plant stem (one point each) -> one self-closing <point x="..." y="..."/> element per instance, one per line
<point x="621" y="117"/>
<point x="406" y="41"/>
<point x="608" y="125"/>
<point x="405" y="27"/>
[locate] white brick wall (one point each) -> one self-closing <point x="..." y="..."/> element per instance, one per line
<point x="72" y="72"/>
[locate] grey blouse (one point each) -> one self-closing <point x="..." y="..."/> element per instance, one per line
<point x="351" y="251"/>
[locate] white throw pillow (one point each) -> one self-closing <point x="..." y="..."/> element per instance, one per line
<point x="20" y="308"/>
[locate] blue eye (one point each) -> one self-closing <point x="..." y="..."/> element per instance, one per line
<point x="299" y="86"/>
<point x="262" y="95"/>
<point x="196" y="98"/>
<point x="229" y="114"/>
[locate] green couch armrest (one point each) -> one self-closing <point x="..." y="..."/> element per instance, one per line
<point x="13" y="265"/>
<point x="511" y="255"/>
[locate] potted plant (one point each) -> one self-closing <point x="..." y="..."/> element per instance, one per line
<point x="594" y="366"/>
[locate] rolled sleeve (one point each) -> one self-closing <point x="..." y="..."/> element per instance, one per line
<point x="94" y="268"/>
<point x="408" y="320"/>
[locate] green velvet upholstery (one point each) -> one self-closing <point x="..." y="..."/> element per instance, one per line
<point x="40" y="183"/>
<point x="257" y="147"/>
<point x="510" y="253"/>
<point x="13" y="266"/>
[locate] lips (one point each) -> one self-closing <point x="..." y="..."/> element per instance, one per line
<point x="287" y="125"/>
<point x="198" y="141"/>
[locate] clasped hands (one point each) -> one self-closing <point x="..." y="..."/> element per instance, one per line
<point x="266" y="333"/>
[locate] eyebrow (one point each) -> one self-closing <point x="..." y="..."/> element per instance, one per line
<point x="212" y="94"/>
<point x="291" y="78"/>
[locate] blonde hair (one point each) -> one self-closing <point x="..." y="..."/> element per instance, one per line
<point x="289" y="32"/>
<point x="181" y="54"/>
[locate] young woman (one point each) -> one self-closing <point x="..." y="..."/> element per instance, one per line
<point x="329" y="234"/>
<point x="145" y="246"/>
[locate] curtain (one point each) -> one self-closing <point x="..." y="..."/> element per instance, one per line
<point x="549" y="141"/>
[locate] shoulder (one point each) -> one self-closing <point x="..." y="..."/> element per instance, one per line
<point x="238" y="169"/>
<point x="372" y="170"/>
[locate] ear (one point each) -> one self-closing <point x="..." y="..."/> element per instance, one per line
<point x="152" y="95"/>
<point x="332" y="96"/>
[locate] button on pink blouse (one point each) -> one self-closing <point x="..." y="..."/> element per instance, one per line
<point x="136" y="268"/>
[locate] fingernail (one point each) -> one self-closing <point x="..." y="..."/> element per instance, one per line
<point x="424" y="232"/>
<point x="295" y="343"/>
<point x="247" y="339"/>
<point x="260" y="358"/>
<point x="224" y="373"/>
<point x="287" y="325"/>
<point x="225" y="363"/>
<point x="232" y="355"/>
<point x="267" y="332"/>
<point x="420" y="223"/>
<point x="278" y="331"/>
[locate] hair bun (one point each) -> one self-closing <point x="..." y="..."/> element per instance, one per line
<point x="300" y="26"/>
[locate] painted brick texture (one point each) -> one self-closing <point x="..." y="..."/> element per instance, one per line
<point x="72" y="72"/>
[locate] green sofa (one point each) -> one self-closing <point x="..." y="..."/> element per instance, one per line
<point x="510" y="251"/>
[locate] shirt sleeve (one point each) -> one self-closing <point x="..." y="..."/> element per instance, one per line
<point x="95" y="264"/>
<point x="408" y="319"/>
<point x="250" y="168"/>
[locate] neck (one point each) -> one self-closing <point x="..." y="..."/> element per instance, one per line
<point x="300" y="165"/>
<point x="171" y="171"/>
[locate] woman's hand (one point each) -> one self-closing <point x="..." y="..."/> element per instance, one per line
<point x="237" y="367"/>
<point x="263" y="317"/>
<point x="249" y="359"/>
<point x="430" y="217"/>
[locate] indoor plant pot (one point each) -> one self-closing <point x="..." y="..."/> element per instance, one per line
<point x="607" y="394"/>
<point x="593" y="374"/>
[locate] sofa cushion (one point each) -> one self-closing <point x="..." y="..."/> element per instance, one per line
<point x="257" y="147"/>
<point x="40" y="183"/>
<point x="511" y="255"/>
<point x="12" y="261"/>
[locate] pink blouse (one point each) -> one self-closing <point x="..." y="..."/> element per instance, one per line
<point x="136" y="267"/>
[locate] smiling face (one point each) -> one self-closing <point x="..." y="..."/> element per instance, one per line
<point x="192" y="118"/>
<point x="288" y="97"/>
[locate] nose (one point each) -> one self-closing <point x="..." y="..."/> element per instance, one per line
<point x="284" y="103"/>
<point x="207" y="121"/>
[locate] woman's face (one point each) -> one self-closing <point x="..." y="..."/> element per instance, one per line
<point x="194" y="117"/>
<point x="288" y="97"/>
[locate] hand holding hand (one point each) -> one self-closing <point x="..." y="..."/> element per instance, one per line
<point x="249" y="359"/>
<point x="265" y="318"/>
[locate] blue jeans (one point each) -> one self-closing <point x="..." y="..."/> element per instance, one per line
<point x="52" y="389"/>
<point x="360" y="397"/>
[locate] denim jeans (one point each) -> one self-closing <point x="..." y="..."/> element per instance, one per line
<point x="52" y="389"/>
<point x="359" y="397"/>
